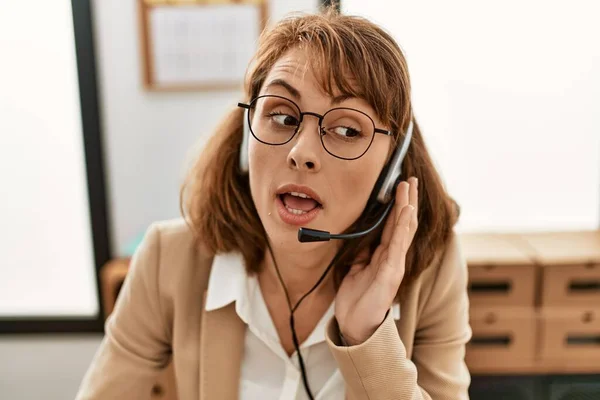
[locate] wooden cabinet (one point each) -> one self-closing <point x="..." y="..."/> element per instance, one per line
<point x="535" y="302"/>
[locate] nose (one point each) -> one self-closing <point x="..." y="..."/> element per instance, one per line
<point x="306" y="153"/>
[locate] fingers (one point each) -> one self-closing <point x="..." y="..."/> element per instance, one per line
<point x="392" y="266"/>
<point x="405" y="194"/>
<point x="401" y="235"/>
<point x="402" y="196"/>
<point x="389" y="226"/>
<point x="414" y="201"/>
<point x="398" y="234"/>
<point x="413" y="198"/>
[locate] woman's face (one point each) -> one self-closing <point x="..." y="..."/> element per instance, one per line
<point x="299" y="184"/>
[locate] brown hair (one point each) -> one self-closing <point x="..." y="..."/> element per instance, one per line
<point x="350" y="55"/>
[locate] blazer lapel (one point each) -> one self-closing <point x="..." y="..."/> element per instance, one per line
<point x="221" y="348"/>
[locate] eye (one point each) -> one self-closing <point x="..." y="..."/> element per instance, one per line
<point x="345" y="131"/>
<point x="284" y="119"/>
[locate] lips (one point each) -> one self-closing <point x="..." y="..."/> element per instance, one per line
<point x="297" y="205"/>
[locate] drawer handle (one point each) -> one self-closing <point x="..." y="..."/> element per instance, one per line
<point x="583" y="340"/>
<point x="581" y="286"/>
<point x="490" y="318"/>
<point x="487" y="341"/>
<point x="587" y="317"/>
<point x="489" y="287"/>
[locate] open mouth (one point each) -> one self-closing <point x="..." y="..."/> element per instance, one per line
<point x="299" y="203"/>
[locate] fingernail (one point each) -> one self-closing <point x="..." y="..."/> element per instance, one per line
<point x="416" y="182"/>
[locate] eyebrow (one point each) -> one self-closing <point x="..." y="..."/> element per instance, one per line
<point x="296" y="93"/>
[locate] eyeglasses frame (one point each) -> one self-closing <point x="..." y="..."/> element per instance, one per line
<point x="248" y="107"/>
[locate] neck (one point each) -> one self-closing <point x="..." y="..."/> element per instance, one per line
<point x="299" y="271"/>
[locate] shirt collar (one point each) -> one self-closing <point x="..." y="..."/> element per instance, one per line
<point x="228" y="284"/>
<point x="227" y="280"/>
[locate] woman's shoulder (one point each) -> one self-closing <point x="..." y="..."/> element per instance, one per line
<point x="178" y="256"/>
<point x="447" y="273"/>
<point x="448" y="266"/>
<point x="168" y="229"/>
<point x="175" y="228"/>
<point x="176" y="239"/>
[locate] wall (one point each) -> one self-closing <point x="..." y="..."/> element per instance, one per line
<point x="149" y="136"/>
<point x="506" y="95"/>
<point x="44" y="367"/>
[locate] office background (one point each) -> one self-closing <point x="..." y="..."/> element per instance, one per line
<point x="520" y="83"/>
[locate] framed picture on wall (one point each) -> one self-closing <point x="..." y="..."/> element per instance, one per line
<point x="198" y="45"/>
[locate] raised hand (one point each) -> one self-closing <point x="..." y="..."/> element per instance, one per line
<point x="368" y="290"/>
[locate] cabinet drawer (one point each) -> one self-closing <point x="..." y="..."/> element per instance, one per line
<point x="569" y="336"/>
<point x="502" y="285"/>
<point x="502" y="338"/>
<point x="571" y="285"/>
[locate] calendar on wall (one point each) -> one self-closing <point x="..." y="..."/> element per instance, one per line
<point x="198" y="45"/>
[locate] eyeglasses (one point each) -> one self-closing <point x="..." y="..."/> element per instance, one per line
<point x="345" y="133"/>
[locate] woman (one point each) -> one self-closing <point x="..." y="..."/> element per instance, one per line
<point x="328" y="104"/>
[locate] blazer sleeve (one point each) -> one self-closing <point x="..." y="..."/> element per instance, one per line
<point x="379" y="369"/>
<point x="136" y="345"/>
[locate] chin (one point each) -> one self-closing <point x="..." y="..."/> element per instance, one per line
<point x="285" y="237"/>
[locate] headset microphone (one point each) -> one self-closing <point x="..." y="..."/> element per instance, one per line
<point x="315" y="235"/>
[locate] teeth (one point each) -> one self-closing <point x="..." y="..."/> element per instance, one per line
<point x="294" y="211"/>
<point x="304" y="196"/>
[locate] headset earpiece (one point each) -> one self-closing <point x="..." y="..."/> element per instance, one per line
<point x="244" y="164"/>
<point x="390" y="176"/>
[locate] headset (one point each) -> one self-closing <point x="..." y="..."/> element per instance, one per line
<point x="383" y="192"/>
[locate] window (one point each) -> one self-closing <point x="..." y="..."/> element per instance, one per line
<point x="48" y="254"/>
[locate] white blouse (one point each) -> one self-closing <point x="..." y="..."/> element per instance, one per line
<point x="267" y="373"/>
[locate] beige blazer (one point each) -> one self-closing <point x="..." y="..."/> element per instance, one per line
<point x="160" y="317"/>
